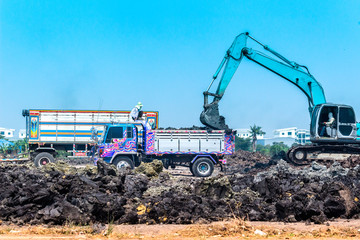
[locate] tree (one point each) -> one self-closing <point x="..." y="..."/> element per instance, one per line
<point x="278" y="147"/>
<point x="255" y="131"/>
<point x="265" y="150"/>
<point x="242" y="143"/>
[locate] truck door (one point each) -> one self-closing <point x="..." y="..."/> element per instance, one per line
<point x="347" y="123"/>
<point x="122" y="138"/>
<point x="131" y="138"/>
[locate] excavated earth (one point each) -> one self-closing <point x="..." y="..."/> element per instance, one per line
<point x="253" y="187"/>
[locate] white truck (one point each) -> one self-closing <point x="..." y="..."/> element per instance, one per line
<point x="49" y="131"/>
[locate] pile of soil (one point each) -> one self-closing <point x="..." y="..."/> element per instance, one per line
<point x="58" y="194"/>
<point x="76" y="161"/>
<point x="244" y="161"/>
<point x="185" y="128"/>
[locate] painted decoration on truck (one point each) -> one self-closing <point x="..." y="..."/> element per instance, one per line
<point x="34" y="127"/>
<point x="121" y="145"/>
<point x="229" y="144"/>
<point x="150" y="141"/>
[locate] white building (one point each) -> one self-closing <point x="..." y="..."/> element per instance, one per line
<point x="302" y="136"/>
<point x="245" y="133"/>
<point x="289" y="136"/>
<point x="7" y="133"/>
<point x="22" y="133"/>
<point x="285" y="133"/>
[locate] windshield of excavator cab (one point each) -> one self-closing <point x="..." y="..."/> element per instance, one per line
<point x="314" y="116"/>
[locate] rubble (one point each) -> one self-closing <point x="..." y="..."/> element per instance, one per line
<point x="151" y="169"/>
<point x="272" y="191"/>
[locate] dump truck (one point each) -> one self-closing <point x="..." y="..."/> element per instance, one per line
<point x="50" y="131"/>
<point x="126" y="145"/>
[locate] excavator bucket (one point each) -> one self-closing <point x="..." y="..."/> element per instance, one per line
<point x="210" y="117"/>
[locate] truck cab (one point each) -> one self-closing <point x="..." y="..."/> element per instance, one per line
<point x="343" y="129"/>
<point x="120" y="144"/>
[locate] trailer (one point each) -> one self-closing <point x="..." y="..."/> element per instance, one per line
<point x="127" y="145"/>
<point x="50" y="131"/>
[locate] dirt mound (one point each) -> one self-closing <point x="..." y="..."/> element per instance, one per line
<point x="184" y="128"/>
<point x="351" y="161"/>
<point x="244" y="161"/>
<point x="58" y="194"/>
<point x="311" y="194"/>
<point x="76" y="161"/>
<point x="152" y="169"/>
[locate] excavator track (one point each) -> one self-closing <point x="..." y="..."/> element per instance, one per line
<point x="303" y="155"/>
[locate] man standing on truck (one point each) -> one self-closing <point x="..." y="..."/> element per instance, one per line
<point x="135" y="111"/>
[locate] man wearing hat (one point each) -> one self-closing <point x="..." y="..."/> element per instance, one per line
<point x="135" y="111"/>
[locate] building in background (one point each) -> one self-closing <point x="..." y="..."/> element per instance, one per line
<point x="7" y="133"/>
<point x="288" y="136"/>
<point x="245" y="133"/>
<point x="12" y="134"/>
<point x="285" y="133"/>
<point x="22" y="133"/>
<point x="302" y="136"/>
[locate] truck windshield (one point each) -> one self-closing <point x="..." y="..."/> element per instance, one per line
<point x="114" y="132"/>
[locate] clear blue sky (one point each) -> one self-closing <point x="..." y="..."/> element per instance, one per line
<point x="109" y="55"/>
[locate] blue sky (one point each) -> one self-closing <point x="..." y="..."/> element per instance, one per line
<point x="109" y="55"/>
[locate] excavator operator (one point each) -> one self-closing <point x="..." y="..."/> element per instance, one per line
<point x="328" y="126"/>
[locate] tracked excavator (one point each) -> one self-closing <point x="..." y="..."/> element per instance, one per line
<point x="341" y="137"/>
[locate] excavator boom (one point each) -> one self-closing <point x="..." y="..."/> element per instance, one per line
<point x="291" y="71"/>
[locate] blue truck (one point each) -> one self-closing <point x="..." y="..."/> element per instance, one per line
<point x="128" y="144"/>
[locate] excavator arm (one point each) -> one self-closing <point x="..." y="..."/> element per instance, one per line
<point x="296" y="74"/>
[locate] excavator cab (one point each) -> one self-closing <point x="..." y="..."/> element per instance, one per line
<point x="342" y="129"/>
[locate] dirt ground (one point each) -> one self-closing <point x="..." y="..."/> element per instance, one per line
<point x="235" y="229"/>
<point x="63" y="202"/>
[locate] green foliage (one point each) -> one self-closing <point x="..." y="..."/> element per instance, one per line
<point x="242" y="143"/>
<point x="265" y="150"/>
<point x="4" y="148"/>
<point x="62" y="154"/>
<point x="20" y="146"/>
<point x="255" y="131"/>
<point x="272" y="150"/>
<point x="276" y="148"/>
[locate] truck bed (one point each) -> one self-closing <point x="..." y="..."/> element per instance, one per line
<point x="73" y="126"/>
<point x="189" y="142"/>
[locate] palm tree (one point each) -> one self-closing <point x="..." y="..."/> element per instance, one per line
<point x="255" y="131"/>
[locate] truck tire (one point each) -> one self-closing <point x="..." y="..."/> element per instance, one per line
<point x="190" y="167"/>
<point x="203" y="167"/>
<point x="43" y="158"/>
<point x="123" y="162"/>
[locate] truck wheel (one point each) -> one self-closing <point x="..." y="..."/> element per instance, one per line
<point x="123" y="162"/>
<point x="43" y="158"/>
<point x="203" y="167"/>
<point x="190" y="167"/>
